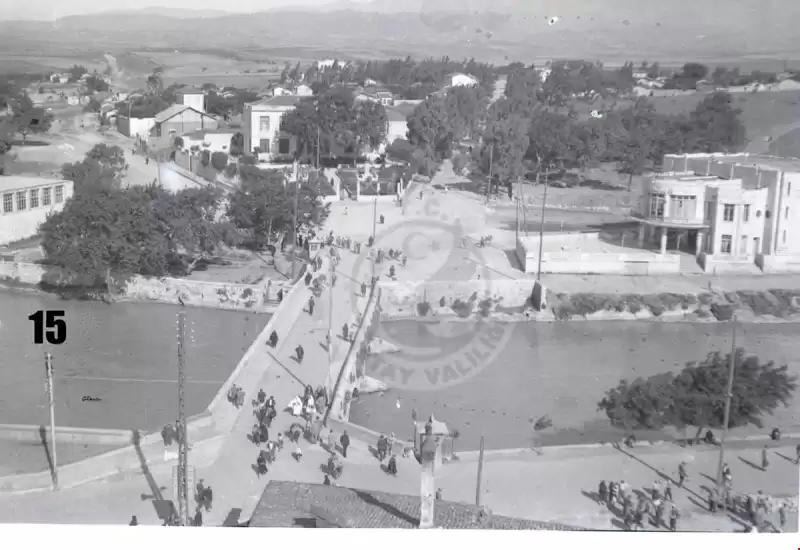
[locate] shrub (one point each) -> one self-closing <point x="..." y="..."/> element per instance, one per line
<point x="205" y="158"/>
<point x="219" y="161"/>
<point x="462" y="309"/>
<point x="671" y="301"/>
<point x="706" y="298"/>
<point x="654" y="304"/>
<point x="634" y="302"/>
<point x="786" y="298"/>
<point x="248" y="159"/>
<point x="231" y="170"/>
<point x="722" y="312"/>
<point x="485" y="307"/>
<point x="442" y="302"/>
<point x="423" y="308"/>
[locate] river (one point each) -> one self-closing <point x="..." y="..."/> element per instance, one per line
<point x="121" y="357"/>
<point x="558" y="369"/>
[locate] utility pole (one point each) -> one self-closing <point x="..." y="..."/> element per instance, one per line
<point x="183" y="465"/>
<point x="317" y="146"/>
<point x="480" y="476"/>
<point x="294" y="221"/>
<point x="48" y="367"/>
<point x="541" y="231"/>
<point x="373" y="252"/>
<point x="728" y="396"/>
<point x="330" y="310"/>
<point x="489" y="188"/>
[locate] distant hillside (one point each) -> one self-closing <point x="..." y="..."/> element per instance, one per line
<point x="498" y="31"/>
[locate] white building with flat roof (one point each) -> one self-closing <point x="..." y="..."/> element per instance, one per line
<point x="26" y="202"/>
<point x="730" y="210"/>
<point x="261" y="123"/>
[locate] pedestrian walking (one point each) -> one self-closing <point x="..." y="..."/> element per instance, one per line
<point x="764" y="458"/>
<point x="311" y="306"/>
<point x="364" y="293"/>
<point x="299" y="352"/>
<point x="332" y="441"/>
<point x="658" y="513"/>
<point x="327" y="480"/>
<point x="797" y="454"/>
<point x="273" y="339"/>
<point x="134" y="521"/>
<point x="280" y="295"/>
<point x="682" y="476"/>
<point x="345" y="442"/>
<point x="345" y="331"/>
<point x="613" y="492"/>
<point x="673" y="519"/>
<point x="333" y="280"/>
<point x="198" y="518"/>
<point x="668" y="491"/>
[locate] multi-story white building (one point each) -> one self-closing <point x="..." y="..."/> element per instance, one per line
<point x="261" y="123"/>
<point x="728" y="209"/>
<point x="26" y="203"/>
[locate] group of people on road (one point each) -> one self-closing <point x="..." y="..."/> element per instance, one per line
<point x="236" y="396"/>
<point x="619" y="498"/>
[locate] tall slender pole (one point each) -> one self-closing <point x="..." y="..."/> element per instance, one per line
<point x="491" y="158"/>
<point x="294" y="223"/>
<point x="374" y="228"/>
<point x="317" y="146"/>
<point x="480" y="476"/>
<point x="541" y="231"/>
<point x="48" y="365"/>
<point x="330" y="312"/>
<point x="728" y="396"/>
<point x="183" y="466"/>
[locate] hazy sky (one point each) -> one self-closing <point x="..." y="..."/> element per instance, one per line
<point x="52" y="9"/>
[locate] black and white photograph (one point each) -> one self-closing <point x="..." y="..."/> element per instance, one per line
<point x="527" y="265"/>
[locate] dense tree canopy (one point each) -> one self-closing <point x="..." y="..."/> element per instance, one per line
<point x="263" y="205"/>
<point x="102" y="168"/>
<point x="340" y="124"/>
<point x="695" y="397"/>
<point x="147" y="231"/>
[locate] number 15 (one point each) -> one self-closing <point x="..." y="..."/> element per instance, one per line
<point x="56" y="327"/>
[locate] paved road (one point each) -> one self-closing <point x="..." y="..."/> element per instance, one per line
<point x="559" y="485"/>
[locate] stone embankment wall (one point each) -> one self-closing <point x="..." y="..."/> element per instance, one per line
<point x="261" y="297"/>
<point x="353" y="368"/>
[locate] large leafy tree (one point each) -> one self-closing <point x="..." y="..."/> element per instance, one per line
<point x="264" y="203"/>
<point x="148" y="231"/>
<point x="504" y="144"/>
<point x="695" y="397"/>
<point x="715" y="125"/>
<point x="102" y="168"/>
<point x="26" y="118"/>
<point x="335" y="122"/>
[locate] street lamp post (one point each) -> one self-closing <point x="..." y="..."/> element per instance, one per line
<point x="728" y="396"/>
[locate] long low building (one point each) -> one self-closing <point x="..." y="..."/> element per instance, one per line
<point x="26" y="203"/>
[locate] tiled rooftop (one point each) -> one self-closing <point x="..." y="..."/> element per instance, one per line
<point x="279" y="101"/>
<point x="290" y="504"/>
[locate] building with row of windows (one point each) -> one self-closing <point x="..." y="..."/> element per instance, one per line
<point x="729" y="210"/>
<point x="26" y="203"/>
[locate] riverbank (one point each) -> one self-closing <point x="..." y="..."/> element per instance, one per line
<point x="48" y="281"/>
<point x="512" y="300"/>
<point x="560" y="369"/>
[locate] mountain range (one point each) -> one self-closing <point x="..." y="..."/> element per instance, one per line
<point x="496" y="30"/>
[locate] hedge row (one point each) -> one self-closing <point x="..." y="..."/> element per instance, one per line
<point x="583" y="304"/>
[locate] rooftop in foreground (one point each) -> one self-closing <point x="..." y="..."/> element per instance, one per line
<point x="290" y="504"/>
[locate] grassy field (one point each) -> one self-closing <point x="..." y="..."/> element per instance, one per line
<point x="761" y="112"/>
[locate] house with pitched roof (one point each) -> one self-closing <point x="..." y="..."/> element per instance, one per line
<point x="177" y="120"/>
